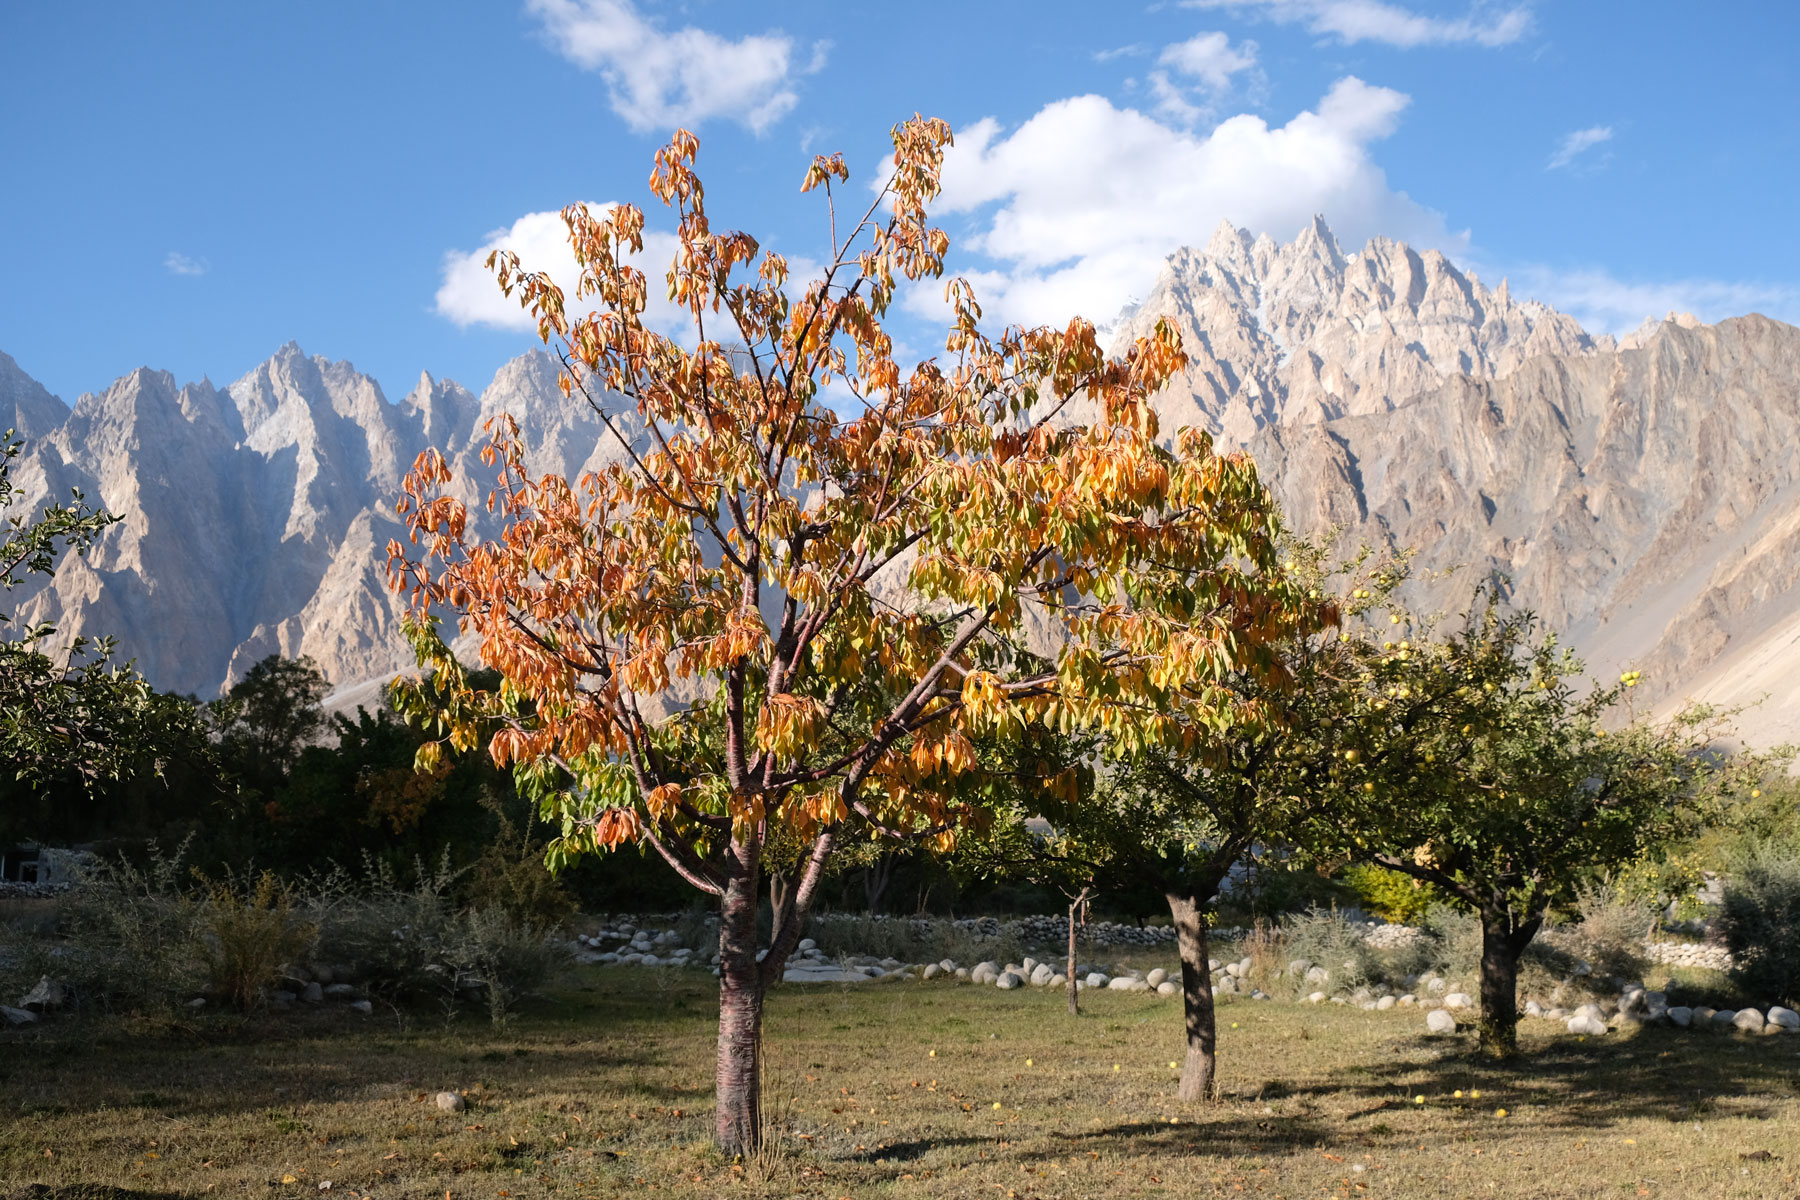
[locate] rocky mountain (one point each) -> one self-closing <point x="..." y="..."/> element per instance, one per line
<point x="256" y="516"/>
<point x="1638" y="492"/>
<point x="1287" y="334"/>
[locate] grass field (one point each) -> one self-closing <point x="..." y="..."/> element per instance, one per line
<point x="891" y="1090"/>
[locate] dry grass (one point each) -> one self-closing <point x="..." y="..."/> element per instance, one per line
<point x="606" y="1090"/>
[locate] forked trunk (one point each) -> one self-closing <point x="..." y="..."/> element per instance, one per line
<point x="1502" y="942"/>
<point x="1198" y="1080"/>
<point x="738" y="1121"/>
<point x="781" y="897"/>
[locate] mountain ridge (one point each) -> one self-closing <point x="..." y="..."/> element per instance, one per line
<point x="1635" y="491"/>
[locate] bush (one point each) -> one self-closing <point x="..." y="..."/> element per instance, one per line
<point x="129" y="935"/>
<point x="1325" y="938"/>
<point x="1608" y="933"/>
<point x="1760" y="918"/>
<point x="1391" y="895"/>
<point x="411" y="944"/>
<point x="247" y="932"/>
<point x="910" y="939"/>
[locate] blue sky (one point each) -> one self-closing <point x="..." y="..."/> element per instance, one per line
<point x="189" y="186"/>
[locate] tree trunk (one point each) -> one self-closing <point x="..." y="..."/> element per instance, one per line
<point x="1074" y="987"/>
<point x="738" y="1122"/>
<point x="1197" y="1073"/>
<point x="875" y="881"/>
<point x="1502" y="942"/>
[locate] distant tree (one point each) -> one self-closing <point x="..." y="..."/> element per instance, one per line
<point x="271" y="714"/>
<point x="775" y="611"/>
<point x="72" y="718"/>
<point x="1514" y="788"/>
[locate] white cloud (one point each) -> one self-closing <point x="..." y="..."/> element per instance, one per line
<point x="1209" y="58"/>
<point x="468" y="294"/>
<point x="1604" y="303"/>
<point x="1575" y="143"/>
<point x="1077" y="206"/>
<point x="1207" y="61"/>
<point x="657" y="79"/>
<point x="178" y="263"/>
<point x="1352" y="21"/>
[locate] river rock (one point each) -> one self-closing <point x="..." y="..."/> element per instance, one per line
<point x="1681" y="1015"/>
<point x="1458" y="1000"/>
<point x="1784" y="1018"/>
<point x="1168" y="987"/>
<point x="450" y="1102"/>
<point x="1007" y="981"/>
<point x="1156" y="977"/>
<point x="1585" y="1023"/>
<point x="1748" y="1020"/>
<point x="1439" y="1020"/>
<point x="17" y="1016"/>
<point x="47" y="996"/>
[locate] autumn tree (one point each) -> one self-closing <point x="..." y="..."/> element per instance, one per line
<point x="792" y="596"/>
<point x="1517" y="786"/>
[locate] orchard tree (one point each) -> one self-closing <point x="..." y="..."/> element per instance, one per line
<point x="1515" y="787"/>
<point x="1200" y="775"/>
<point x="789" y="602"/>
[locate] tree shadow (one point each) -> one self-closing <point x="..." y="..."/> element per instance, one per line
<point x="1584" y="1083"/>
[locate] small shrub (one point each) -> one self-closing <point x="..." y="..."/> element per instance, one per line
<point x="247" y="933"/>
<point x="1760" y="918"/>
<point x="503" y="958"/>
<point x="394" y="937"/>
<point x="412" y="944"/>
<point x="911" y="939"/>
<point x="130" y="934"/>
<point x="1326" y="938"/>
<point x="1391" y="895"/>
<point x="1455" y="944"/>
<point x="1609" y="933"/>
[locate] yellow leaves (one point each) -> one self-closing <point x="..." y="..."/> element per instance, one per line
<point x="787" y="725"/>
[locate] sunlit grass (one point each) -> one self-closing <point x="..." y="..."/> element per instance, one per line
<point x="892" y="1090"/>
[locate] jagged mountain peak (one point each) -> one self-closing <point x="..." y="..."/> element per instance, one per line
<point x="1300" y="331"/>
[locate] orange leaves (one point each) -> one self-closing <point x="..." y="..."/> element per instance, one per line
<point x="756" y="601"/>
<point x="823" y="170"/>
<point x="615" y="827"/>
